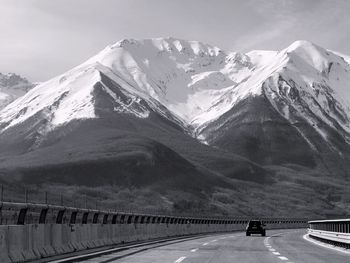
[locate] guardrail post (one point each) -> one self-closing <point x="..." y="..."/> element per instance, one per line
<point x="25" y="195"/>
<point x="22" y="216"/>
<point x="2" y="193"/>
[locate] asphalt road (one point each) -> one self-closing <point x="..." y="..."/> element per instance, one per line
<point x="277" y="246"/>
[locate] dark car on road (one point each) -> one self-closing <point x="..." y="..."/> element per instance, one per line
<point x="255" y="227"/>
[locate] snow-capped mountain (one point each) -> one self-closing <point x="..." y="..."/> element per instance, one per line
<point x="12" y="86"/>
<point x="181" y="114"/>
<point x="184" y="77"/>
<point x="188" y="78"/>
<point x="196" y="85"/>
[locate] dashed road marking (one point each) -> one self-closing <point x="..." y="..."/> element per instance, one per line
<point x="205" y="244"/>
<point x="276" y="253"/>
<point x="179" y="260"/>
<point x="194" y="250"/>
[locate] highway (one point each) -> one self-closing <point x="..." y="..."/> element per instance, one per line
<point x="278" y="246"/>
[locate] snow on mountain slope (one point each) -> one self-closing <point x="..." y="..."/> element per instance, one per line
<point x="261" y="57"/>
<point x="60" y="100"/>
<point x="182" y="75"/>
<point x="12" y="87"/>
<point x="322" y="80"/>
<point x="320" y="77"/>
<point x="65" y="98"/>
<point x="185" y="77"/>
<point x="345" y="57"/>
<point x="194" y="84"/>
<point x="250" y="85"/>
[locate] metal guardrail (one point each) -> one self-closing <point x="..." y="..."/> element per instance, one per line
<point x="28" y="213"/>
<point x="336" y="232"/>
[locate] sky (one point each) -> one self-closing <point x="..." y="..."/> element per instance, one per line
<point x="44" y="38"/>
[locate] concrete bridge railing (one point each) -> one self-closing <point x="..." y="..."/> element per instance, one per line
<point x="35" y="231"/>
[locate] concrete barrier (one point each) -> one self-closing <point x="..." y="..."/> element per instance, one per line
<point x="36" y="231"/>
<point x="20" y="243"/>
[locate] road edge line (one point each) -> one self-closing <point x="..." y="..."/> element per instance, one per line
<point x="325" y="245"/>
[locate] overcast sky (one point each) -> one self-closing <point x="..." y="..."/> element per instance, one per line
<point x="43" y="38"/>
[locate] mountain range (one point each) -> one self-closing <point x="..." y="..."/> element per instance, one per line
<point x="263" y="133"/>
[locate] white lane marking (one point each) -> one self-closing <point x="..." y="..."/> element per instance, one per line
<point x="205" y="244"/>
<point x="214" y="240"/>
<point x="319" y="243"/>
<point x="270" y="248"/>
<point x="179" y="260"/>
<point x="194" y="250"/>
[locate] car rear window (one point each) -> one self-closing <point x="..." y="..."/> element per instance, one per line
<point x="254" y="223"/>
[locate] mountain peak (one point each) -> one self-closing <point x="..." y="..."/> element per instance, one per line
<point x="301" y="44"/>
<point x="306" y="49"/>
<point x="12" y="86"/>
<point x="315" y="56"/>
<point x="124" y="42"/>
<point x="168" y="44"/>
<point x="12" y="79"/>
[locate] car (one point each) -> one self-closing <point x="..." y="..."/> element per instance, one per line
<point x="255" y="227"/>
